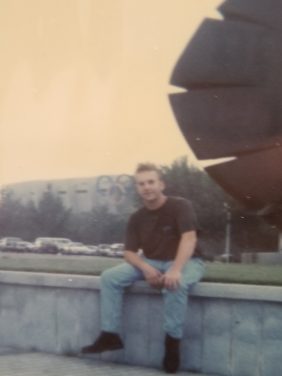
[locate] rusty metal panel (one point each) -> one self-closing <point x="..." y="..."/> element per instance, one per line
<point x="264" y="12"/>
<point x="254" y="179"/>
<point x="220" y="122"/>
<point x="223" y="53"/>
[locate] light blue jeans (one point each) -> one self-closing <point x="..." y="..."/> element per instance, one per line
<point x="116" y="279"/>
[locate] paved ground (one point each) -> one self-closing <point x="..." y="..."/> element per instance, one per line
<point x="41" y="364"/>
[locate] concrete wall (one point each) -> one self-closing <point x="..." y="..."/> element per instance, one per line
<point x="266" y="258"/>
<point x="230" y="329"/>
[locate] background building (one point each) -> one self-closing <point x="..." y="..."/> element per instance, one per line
<point x="81" y="195"/>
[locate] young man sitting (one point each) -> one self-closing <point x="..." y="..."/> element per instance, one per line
<point x="165" y="228"/>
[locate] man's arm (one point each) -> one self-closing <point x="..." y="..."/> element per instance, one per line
<point x="186" y="247"/>
<point x="152" y="275"/>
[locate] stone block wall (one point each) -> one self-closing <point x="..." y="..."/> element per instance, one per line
<point x="231" y="330"/>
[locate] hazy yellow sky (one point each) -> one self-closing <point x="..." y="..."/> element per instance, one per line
<point x="84" y="84"/>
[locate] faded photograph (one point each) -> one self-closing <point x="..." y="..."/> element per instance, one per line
<point x="140" y="186"/>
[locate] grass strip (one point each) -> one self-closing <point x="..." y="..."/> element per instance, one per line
<point x="94" y="265"/>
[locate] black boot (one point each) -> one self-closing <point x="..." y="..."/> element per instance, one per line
<point x="105" y="342"/>
<point x="172" y="354"/>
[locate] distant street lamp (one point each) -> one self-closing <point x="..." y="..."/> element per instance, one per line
<point x="227" y="248"/>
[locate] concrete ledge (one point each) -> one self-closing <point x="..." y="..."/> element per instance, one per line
<point x="231" y="330"/>
<point x="202" y="289"/>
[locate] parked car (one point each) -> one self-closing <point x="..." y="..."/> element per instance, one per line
<point x="23" y="246"/>
<point x="228" y="258"/>
<point x="94" y="249"/>
<point x="8" y="242"/>
<point x="105" y="250"/>
<point x="50" y="245"/>
<point x="118" y="249"/>
<point x="76" y="248"/>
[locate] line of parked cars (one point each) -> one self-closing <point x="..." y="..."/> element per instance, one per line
<point x="15" y="244"/>
<point x="60" y="246"/>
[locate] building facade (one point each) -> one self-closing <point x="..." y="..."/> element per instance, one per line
<point x="116" y="193"/>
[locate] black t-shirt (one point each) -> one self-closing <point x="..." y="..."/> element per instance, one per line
<point x="157" y="232"/>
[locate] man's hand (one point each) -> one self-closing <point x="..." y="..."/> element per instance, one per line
<point x="171" y="279"/>
<point x="185" y="251"/>
<point x="153" y="276"/>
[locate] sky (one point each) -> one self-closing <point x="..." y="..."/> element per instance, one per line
<point x="84" y="85"/>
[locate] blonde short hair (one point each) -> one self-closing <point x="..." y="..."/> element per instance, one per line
<point x="148" y="166"/>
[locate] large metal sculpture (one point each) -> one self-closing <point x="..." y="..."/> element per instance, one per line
<point x="232" y="71"/>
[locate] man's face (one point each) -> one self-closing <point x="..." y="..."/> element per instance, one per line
<point x="149" y="186"/>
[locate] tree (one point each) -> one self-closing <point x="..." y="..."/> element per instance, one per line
<point x="247" y="230"/>
<point x="98" y="226"/>
<point x="191" y="183"/>
<point x="12" y="215"/>
<point x="50" y="215"/>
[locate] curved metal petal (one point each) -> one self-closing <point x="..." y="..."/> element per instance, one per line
<point x="232" y="70"/>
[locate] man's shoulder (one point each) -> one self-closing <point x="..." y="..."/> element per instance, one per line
<point x="178" y="205"/>
<point x="178" y="201"/>
<point x="137" y="213"/>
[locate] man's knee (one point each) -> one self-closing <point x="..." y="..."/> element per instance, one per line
<point x="120" y="276"/>
<point x="107" y="276"/>
<point x="115" y="276"/>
